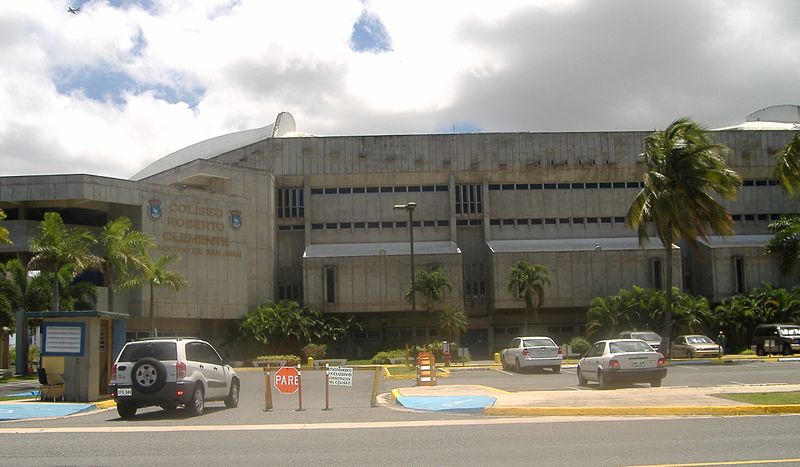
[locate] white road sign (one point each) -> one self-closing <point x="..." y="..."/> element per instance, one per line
<point x="340" y="376"/>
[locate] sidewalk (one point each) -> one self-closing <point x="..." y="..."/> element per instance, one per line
<point x="623" y="401"/>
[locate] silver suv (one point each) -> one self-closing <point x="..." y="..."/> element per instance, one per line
<point x="168" y="372"/>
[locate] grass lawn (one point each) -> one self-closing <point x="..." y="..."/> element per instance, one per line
<point x="765" y="398"/>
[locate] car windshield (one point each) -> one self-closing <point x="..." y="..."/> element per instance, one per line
<point x="699" y="340"/>
<point x="645" y="336"/>
<point x="791" y="331"/>
<point x="157" y="350"/>
<point x="537" y="343"/>
<point x="629" y="346"/>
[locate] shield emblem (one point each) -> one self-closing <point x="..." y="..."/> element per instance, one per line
<point x="236" y="219"/>
<point x="154" y="209"/>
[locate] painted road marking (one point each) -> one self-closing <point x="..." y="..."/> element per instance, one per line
<point x="318" y="426"/>
<point x="703" y="464"/>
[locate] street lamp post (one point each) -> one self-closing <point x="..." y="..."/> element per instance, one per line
<point x="410" y="206"/>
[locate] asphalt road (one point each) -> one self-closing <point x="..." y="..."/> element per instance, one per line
<point x="694" y="375"/>
<point x="353" y="433"/>
<point x="452" y="441"/>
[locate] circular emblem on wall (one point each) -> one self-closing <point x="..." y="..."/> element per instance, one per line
<point x="154" y="209"/>
<point x="236" y="219"/>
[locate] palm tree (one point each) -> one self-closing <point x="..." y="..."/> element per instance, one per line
<point x="57" y="246"/>
<point x="10" y="298"/>
<point x="126" y="252"/>
<point x="155" y="274"/>
<point x="787" y="166"/>
<point x="452" y="322"/>
<point x="3" y="231"/>
<point x="682" y="165"/>
<point x="529" y="280"/>
<point x="785" y="242"/>
<point x="432" y="285"/>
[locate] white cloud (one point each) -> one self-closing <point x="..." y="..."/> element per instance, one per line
<point x="511" y="66"/>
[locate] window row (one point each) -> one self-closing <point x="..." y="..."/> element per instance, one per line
<point x="371" y="225"/>
<point x="377" y="189"/>
<point x="559" y="221"/>
<point x="597" y="185"/>
<point x="756" y="217"/>
<point x="563" y="186"/>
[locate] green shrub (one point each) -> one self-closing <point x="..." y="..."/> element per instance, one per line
<point x="747" y="352"/>
<point x="382" y="358"/>
<point x="315" y="351"/>
<point x="579" y="345"/>
<point x="291" y="360"/>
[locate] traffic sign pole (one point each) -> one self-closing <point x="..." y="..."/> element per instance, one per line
<point x="267" y="391"/>
<point x="299" y="390"/>
<point x="327" y="396"/>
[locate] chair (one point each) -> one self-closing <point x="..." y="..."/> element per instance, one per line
<point x="52" y="386"/>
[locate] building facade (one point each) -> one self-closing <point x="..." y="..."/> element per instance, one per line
<point x="273" y="214"/>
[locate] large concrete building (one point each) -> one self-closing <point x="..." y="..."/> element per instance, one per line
<point x="271" y="213"/>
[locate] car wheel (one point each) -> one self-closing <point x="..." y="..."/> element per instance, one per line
<point x="557" y="369"/>
<point x="198" y="402"/>
<point x="517" y="367"/>
<point x="760" y="351"/>
<point x="581" y="379"/>
<point x="787" y="349"/>
<point x="602" y="379"/>
<point x="232" y="401"/>
<point x="148" y="375"/>
<point x="656" y="383"/>
<point x="503" y="363"/>
<point x="126" y="409"/>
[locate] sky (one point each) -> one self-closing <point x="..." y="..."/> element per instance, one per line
<point x="119" y="84"/>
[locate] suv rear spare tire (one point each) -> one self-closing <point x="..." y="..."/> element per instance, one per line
<point x="148" y="375"/>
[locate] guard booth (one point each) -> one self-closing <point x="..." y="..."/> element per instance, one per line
<point x="79" y="347"/>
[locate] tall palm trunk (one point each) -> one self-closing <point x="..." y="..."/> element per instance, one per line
<point x="152" y="312"/>
<point x="54" y="297"/>
<point x="666" y="333"/>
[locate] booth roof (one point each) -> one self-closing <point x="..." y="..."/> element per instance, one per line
<point x="76" y="314"/>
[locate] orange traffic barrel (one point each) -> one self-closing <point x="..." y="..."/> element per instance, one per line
<point x="426" y="369"/>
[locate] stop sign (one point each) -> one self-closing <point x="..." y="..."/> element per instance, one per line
<point x="287" y="380"/>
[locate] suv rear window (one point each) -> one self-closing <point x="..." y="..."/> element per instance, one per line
<point x="157" y="350"/>
<point x="790" y="331"/>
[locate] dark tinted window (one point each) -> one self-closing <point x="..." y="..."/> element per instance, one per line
<point x="157" y="350"/>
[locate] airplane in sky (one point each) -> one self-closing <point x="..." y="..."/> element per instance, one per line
<point x="72" y="10"/>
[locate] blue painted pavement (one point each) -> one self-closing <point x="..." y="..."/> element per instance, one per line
<point x="24" y="410"/>
<point x="447" y="403"/>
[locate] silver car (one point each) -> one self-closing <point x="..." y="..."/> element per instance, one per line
<point x="169" y="372"/>
<point x="692" y="346"/>
<point x="621" y="360"/>
<point x="532" y="352"/>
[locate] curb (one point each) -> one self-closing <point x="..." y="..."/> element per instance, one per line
<point x="645" y="410"/>
<point x="106" y="404"/>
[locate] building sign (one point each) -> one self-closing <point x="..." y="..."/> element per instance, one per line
<point x="195" y="229"/>
<point x="63" y="339"/>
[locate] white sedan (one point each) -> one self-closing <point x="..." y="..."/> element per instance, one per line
<point x="621" y="360"/>
<point x="531" y="352"/>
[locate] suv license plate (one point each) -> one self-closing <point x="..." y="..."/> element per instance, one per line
<point x="123" y="392"/>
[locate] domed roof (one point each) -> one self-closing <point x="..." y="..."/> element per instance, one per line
<point x="284" y="126"/>
<point x="776" y="117"/>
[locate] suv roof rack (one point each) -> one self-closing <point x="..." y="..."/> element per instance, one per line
<point x="140" y="339"/>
